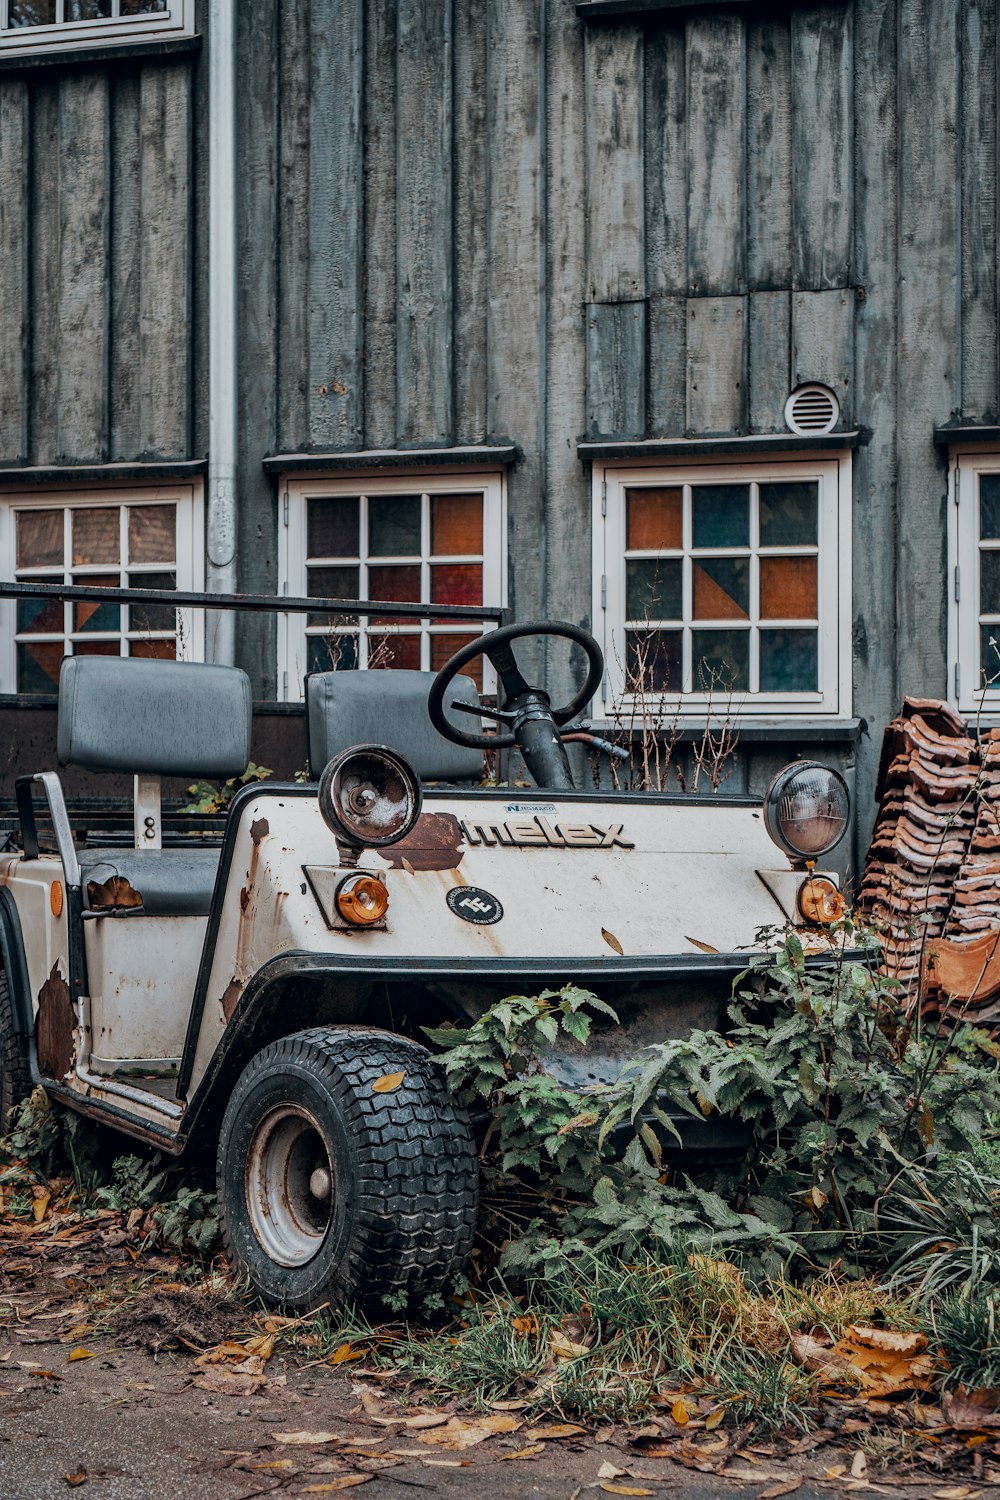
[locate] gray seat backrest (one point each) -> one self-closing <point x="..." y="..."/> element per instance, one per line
<point x="158" y="718"/>
<point x="389" y="708"/>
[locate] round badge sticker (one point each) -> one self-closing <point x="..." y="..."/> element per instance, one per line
<point x="473" y="904"/>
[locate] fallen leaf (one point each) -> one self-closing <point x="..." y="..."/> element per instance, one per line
<point x="225" y="1381"/>
<point x="564" y="1348"/>
<point x="79" y="1353"/>
<point x="458" y="1434"/>
<point x="783" y="1487"/>
<point x="418" y="1423"/>
<point x="557" y="1430"/>
<point x="955" y="1492"/>
<point x="529" y="1452"/>
<point x="715" y="1418"/>
<point x="40" y="1204"/>
<point x="46" y="1374"/>
<point x="524" y="1324"/>
<point x="613" y="942"/>
<point x="697" y="943"/>
<point x="608" y="1471"/>
<point x="275" y="1463"/>
<point x="345" y="1352"/>
<point x="967" y="1410"/>
<point x="387" y="1083"/>
<point x="680" y="1414"/>
<point x="407" y="866"/>
<point x="306" y="1439"/>
<point x="882" y="1361"/>
<point x="624" y="1489"/>
<point x="345" y="1482"/>
<point x="75" y="1480"/>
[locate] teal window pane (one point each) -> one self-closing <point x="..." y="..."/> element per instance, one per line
<point x="989" y="655"/>
<point x="721" y="588"/>
<point x="394" y="526"/>
<point x="41" y="616"/>
<point x="789" y="661"/>
<point x="989" y="505"/>
<point x="152" y="616"/>
<point x="721" y="660"/>
<point x="654" y="588"/>
<point x="333" y="527"/>
<point x="789" y="514"/>
<point x="721" y="515"/>
<point x="989" y="583"/>
<point x="38" y="666"/>
<point x="331" y="653"/>
<point x="653" y="661"/>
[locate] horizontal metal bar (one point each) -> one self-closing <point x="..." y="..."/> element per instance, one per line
<point x="275" y="604"/>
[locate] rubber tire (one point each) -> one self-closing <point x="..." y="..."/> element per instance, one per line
<point x="404" y="1164"/>
<point x="15" y="1066"/>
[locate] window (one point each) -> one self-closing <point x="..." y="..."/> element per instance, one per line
<point x="725" y="587"/>
<point x="974" y="547"/>
<point x="114" y="539"/>
<point x="387" y="538"/>
<point x="33" y="26"/>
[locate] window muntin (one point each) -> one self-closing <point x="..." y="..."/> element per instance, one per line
<point x="974" y="595"/>
<point x="722" y="586"/>
<point x="113" y="539"/>
<point x="404" y="540"/>
<point x="33" y="26"/>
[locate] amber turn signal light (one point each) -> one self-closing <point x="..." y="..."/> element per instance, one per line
<point x="820" y="902"/>
<point x="362" y="899"/>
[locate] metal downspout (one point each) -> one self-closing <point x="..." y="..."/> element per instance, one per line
<point x="222" y="372"/>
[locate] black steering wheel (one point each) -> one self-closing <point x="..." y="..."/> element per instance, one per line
<point x="496" y="644"/>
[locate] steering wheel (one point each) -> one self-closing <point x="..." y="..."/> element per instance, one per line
<point x="496" y="645"/>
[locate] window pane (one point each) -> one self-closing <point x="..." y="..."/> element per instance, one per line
<point x="152" y="616"/>
<point x="989" y="582"/>
<point x="41" y="616"/>
<point x="654" y="519"/>
<point x="989" y="655"/>
<point x="38" y="666"/>
<point x="331" y="653"/>
<point x="443" y="648"/>
<point x="153" y="650"/>
<point x="788" y="661"/>
<point x="394" y="526"/>
<point x="96" y="648"/>
<point x="40" y="539"/>
<point x="89" y="615"/>
<point x="653" y="661"/>
<point x="96" y="535"/>
<point x="152" y="534"/>
<point x="721" y="515"/>
<point x="332" y="527"/>
<point x="330" y="583"/>
<point x="654" y="588"/>
<point x="400" y="652"/>
<point x="402" y="584"/>
<point x="33" y="13"/>
<point x="457" y="583"/>
<point x="721" y="588"/>
<point x="721" y="660"/>
<point x="142" y="7"/>
<point x="788" y="514"/>
<point x="88" y="10"/>
<point x="989" y="504"/>
<point x="456" y="524"/>
<point x="788" y="588"/>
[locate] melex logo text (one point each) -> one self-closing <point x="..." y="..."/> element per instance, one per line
<point x="538" y="832"/>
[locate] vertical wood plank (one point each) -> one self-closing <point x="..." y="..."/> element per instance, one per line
<point x="14" y="242"/>
<point x="45" y="273"/>
<point x="822" y="81"/>
<point x="716" y="348"/>
<point x="164" y="320"/>
<point x="979" y="210"/>
<point x="667" y="379"/>
<point x="666" y="227"/>
<point x="929" y="340"/>
<point x="293" y="227"/>
<point x="84" y="288"/>
<point x="770" y="361"/>
<point x="336" y="210"/>
<point x="379" y="104"/>
<point x="616" y="369"/>
<point x="424" y="221"/>
<point x="716" y="92"/>
<point x="126" y="267"/>
<point x="823" y="343"/>
<point x="471" y="194"/>
<point x="199" y="305"/>
<point x="769" y="154"/>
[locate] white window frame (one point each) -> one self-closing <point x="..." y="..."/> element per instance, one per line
<point x="833" y="475"/>
<point x="189" y="562"/>
<point x="295" y="492"/>
<point x="965" y="666"/>
<point x="176" y="21"/>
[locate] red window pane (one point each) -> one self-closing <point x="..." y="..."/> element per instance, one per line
<point x="456" y="525"/>
<point x="457" y="583"/>
<point x="399" y="584"/>
<point x="398" y="652"/>
<point x="443" y="648"/>
<point x="154" y="650"/>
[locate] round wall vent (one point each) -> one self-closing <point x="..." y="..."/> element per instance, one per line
<point x="812" y="410"/>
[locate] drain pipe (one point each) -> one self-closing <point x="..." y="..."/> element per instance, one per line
<point x="222" y="371"/>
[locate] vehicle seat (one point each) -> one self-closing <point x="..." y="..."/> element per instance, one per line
<point x="389" y="708"/>
<point x="153" y="718"/>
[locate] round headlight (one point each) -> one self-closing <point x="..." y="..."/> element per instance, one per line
<point x="806" y="809"/>
<point x="369" y="796"/>
<point x="362" y="899"/>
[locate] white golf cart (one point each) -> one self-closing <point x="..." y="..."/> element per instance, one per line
<point x="271" y="990"/>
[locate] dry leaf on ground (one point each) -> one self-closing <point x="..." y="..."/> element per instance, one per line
<point x="882" y="1361"/>
<point x="457" y="1434"/>
<point x="222" y="1380"/>
<point x="556" y="1430"/>
<point x="971" y="1411"/>
<point x="345" y="1482"/>
<point x="531" y="1452"/>
<point x="79" y="1353"/>
<point x="76" y="1479"/>
<point x="624" y="1489"/>
<point x="307" y="1439"/>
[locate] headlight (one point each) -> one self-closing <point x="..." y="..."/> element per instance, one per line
<point x="362" y="899"/>
<point x="369" y="796"/>
<point x="806" y="809"/>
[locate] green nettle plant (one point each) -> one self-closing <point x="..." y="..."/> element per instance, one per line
<point x="842" y="1102"/>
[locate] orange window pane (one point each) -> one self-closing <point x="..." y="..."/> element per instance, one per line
<point x="654" y="519"/>
<point x="721" y="588"/>
<point x="96" y="536"/>
<point x="398" y="584"/>
<point x="39" y="538"/>
<point x="154" y="650"/>
<point x="152" y="534"/>
<point x="788" y="588"/>
<point x="456" y="525"/>
<point x="457" y="583"/>
<point x="443" y="648"/>
<point x="89" y="615"/>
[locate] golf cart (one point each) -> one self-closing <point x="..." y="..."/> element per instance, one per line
<point x="270" y="992"/>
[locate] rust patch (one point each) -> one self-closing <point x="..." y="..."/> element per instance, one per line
<point x="55" y="1026"/>
<point x="259" y="829"/>
<point x="230" y="998"/>
<point x="115" y="893"/>
<point x="244" y="898"/>
<point x="434" y="844"/>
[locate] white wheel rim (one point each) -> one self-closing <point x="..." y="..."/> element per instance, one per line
<point x="290" y="1185"/>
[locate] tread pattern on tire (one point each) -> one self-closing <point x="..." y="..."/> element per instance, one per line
<point x="417" y="1170"/>
<point x="15" y="1083"/>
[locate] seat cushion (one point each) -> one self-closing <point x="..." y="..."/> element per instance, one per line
<point x="169" y="882"/>
<point x="390" y="708"/>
